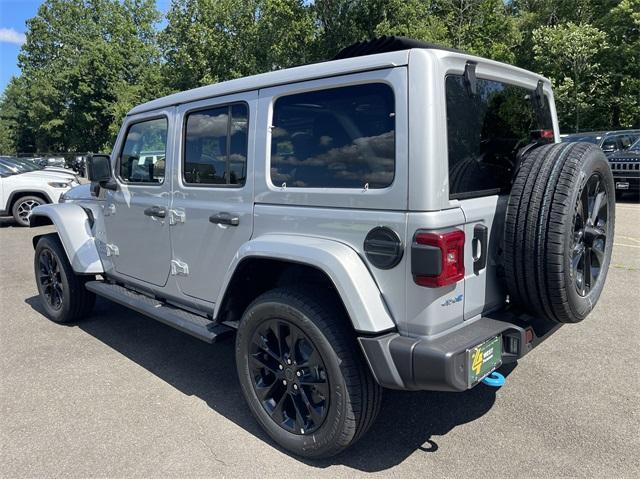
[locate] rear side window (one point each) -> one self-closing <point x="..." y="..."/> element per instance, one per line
<point x="337" y="138"/>
<point x="215" y="150"/>
<point x="143" y="155"/>
<point x="486" y="130"/>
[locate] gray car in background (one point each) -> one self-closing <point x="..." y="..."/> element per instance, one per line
<point x="609" y="141"/>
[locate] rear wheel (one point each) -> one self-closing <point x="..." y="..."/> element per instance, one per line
<point x="301" y="373"/>
<point x="62" y="292"/>
<point x="559" y="230"/>
<point x="23" y="206"/>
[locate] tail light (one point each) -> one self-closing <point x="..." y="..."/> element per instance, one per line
<point x="544" y="136"/>
<point x="437" y="259"/>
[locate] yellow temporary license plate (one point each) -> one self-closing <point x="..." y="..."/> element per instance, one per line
<point x="483" y="359"/>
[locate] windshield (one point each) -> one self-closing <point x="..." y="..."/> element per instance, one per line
<point x="10" y="166"/>
<point x="636" y="145"/>
<point x="26" y="165"/>
<point x="4" y="171"/>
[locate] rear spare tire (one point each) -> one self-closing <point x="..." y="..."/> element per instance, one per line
<point x="559" y="230"/>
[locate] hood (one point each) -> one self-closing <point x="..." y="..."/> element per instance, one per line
<point x="52" y="174"/>
<point x="625" y="155"/>
<point x="48" y="176"/>
<point x="60" y="170"/>
<point x="81" y="192"/>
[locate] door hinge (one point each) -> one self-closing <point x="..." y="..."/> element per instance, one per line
<point x="176" y="216"/>
<point x="179" y="268"/>
<point x="110" y="210"/>
<point x="112" y="250"/>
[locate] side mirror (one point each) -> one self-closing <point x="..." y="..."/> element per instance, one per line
<point x="99" y="171"/>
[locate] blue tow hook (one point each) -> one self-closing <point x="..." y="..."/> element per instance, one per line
<point x="495" y="380"/>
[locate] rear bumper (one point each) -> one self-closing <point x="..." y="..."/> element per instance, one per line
<point x="440" y="363"/>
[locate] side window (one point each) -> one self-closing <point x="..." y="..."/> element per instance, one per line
<point x="626" y="141"/>
<point x="143" y="155"/>
<point x="336" y="138"/>
<point x="610" y="143"/>
<point x="485" y="132"/>
<point x="215" y="148"/>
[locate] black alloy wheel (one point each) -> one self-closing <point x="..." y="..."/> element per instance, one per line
<point x="302" y="372"/>
<point x="589" y="235"/>
<point x="49" y="279"/>
<point x="559" y="228"/>
<point x="62" y="291"/>
<point x="289" y="376"/>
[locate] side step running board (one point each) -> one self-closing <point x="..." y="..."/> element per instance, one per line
<point x="198" y="326"/>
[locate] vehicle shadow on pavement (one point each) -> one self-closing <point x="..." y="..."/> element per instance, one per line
<point x="408" y="422"/>
<point x="7" y="222"/>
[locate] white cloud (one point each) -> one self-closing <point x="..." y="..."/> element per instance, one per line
<point x="9" y="35"/>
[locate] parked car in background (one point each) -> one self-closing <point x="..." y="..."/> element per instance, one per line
<point x="21" y="165"/>
<point x="21" y="191"/>
<point x="56" y="161"/>
<point x="36" y="161"/>
<point x="78" y="164"/>
<point x="625" y="166"/>
<point x="609" y="141"/>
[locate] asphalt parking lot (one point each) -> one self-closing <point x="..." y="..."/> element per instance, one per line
<point x="120" y="395"/>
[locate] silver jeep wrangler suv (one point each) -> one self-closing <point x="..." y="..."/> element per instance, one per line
<point x="402" y="216"/>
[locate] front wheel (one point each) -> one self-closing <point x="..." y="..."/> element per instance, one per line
<point x="301" y="373"/>
<point x="22" y="208"/>
<point x="62" y="292"/>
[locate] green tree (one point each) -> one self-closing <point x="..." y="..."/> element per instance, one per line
<point x="488" y="28"/>
<point x="622" y="63"/>
<point x="207" y="41"/>
<point x="414" y="19"/>
<point x="84" y="64"/>
<point x="568" y="54"/>
<point x="14" y="134"/>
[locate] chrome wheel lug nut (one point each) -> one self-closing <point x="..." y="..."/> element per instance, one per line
<point x="289" y="361"/>
<point x="295" y="386"/>
<point x="280" y="367"/>
<point x="298" y="374"/>
<point x="284" y="382"/>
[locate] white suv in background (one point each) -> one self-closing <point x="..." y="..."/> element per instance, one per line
<point x="21" y="192"/>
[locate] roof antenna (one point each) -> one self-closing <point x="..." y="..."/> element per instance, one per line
<point x="470" y="78"/>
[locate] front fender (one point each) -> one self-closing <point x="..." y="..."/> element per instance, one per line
<point x="72" y="224"/>
<point x="353" y="281"/>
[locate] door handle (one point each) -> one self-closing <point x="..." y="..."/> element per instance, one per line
<point x="224" y="218"/>
<point x="156" y="211"/>
<point x="479" y="247"/>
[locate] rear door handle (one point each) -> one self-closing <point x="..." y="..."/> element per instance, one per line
<point x="479" y="247"/>
<point x="156" y="211"/>
<point x="224" y="218"/>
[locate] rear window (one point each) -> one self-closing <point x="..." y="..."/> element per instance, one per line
<point x="486" y="130"/>
<point x="337" y="138"/>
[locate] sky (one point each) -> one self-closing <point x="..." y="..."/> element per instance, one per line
<point x="13" y="15"/>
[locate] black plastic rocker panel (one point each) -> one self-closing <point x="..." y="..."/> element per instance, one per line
<point x="185" y="321"/>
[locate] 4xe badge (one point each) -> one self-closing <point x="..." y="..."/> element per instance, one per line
<point x="454" y="300"/>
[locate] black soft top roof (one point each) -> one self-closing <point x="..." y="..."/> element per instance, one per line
<point x="386" y="44"/>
